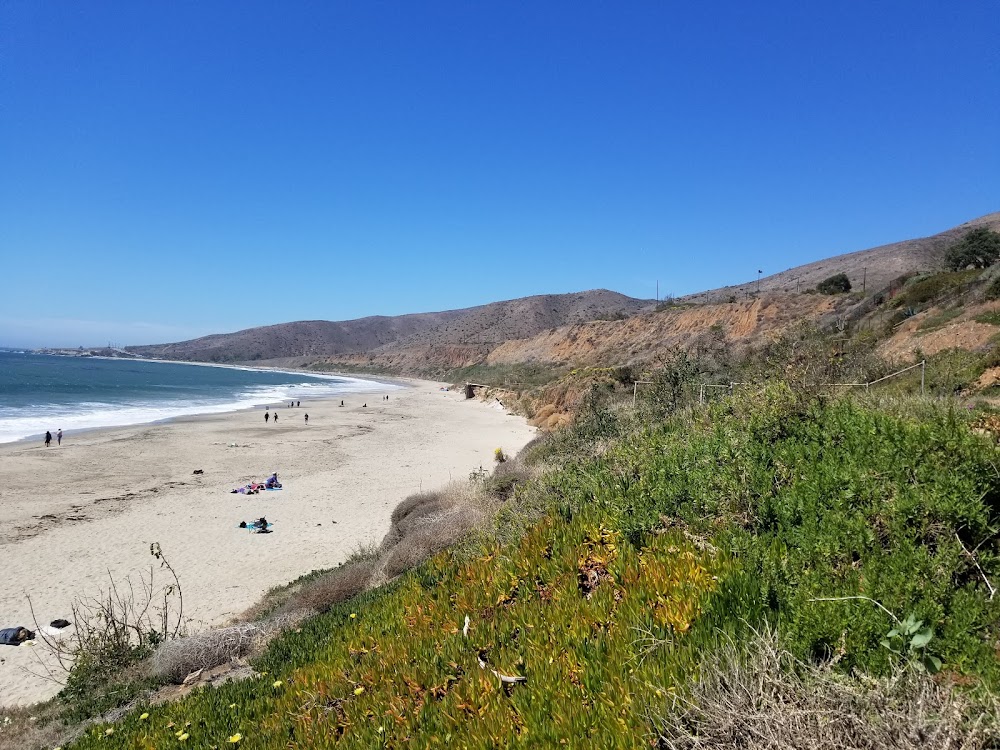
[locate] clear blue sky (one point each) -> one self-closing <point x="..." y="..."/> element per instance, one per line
<point x="169" y="169"/>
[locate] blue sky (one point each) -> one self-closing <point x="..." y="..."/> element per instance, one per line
<point x="170" y="169"/>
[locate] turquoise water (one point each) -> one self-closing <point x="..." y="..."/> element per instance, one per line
<point x="41" y="392"/>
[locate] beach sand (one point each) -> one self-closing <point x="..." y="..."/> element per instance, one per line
<point x="74" y="513"/>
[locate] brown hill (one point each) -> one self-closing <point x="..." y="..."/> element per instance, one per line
<point x="873" y="268"/>
<point x="642" y="338"/>
<point x="597" y="327"/>
<point x="729" y="313"/>
<point x="481" y="327"/>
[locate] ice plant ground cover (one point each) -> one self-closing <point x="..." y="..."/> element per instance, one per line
<point x="613" y="577"/>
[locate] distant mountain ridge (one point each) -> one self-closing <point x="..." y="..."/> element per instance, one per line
<point x="567" y="328"/>
<point x="481" y="326"/>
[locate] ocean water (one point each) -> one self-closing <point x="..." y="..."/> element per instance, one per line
<point x="41" y="392"/>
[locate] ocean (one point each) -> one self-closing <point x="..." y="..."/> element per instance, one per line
<point x="40" y="392"/>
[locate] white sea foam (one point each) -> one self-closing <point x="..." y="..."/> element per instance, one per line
<point x="89" y="415"/>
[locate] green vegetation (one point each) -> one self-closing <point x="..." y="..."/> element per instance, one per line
<point x="980" y="248"/>
<point x="836" y="284"/>
<point x="993" y="290"/>
<point x="672" y="303"/>
<point x="924" y="289"/>
<point x="847" y="528"/>
<point x="942" y="318"/>
<point x="991" y="318"/>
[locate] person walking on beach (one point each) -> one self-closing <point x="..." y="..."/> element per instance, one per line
<point x="307" y="419"/>
<point x="59" y="436"/>
<point x="267" y="416"/>
<point x="276" y="417"/>
<point x="48" y="438"/>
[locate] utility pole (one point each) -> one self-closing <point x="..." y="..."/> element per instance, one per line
<point x="758" y="282"/>
<point x="864" y="279"/>
<point x="657" y="290"/>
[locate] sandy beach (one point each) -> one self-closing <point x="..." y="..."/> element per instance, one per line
<point x="93" y="505"/>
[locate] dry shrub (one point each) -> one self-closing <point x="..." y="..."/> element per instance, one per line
<point x="539" y="418"/>
<point x="176" y="659"/>
<point x="555" y="422"/>
<point x="429" y="538"/>
<point x="332" y="588"/>
<point x="413" y="512"/>
<point x="512" y="468"/>
<point x="760" y="696"/>
<point x="35" y="728"/>
<point x="426" y="523"/>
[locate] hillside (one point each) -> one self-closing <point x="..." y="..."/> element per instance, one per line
<point x="484" y="324"/>
<point x="589" y="328"/>
<point x="728" y="314"/>
<point x="874" y="268"/>
<point x="641" y="338"/>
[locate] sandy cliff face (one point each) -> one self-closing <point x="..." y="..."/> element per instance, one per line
<point x="642" y="337"/>
<point x="962" y="332"/>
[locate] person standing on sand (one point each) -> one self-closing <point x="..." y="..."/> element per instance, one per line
<point x="276" y="417"/>
<point x="307" y="419"/>
<point x="267" y="416"/>
<point x="48" y="438"/>
<point x="59" y="436"/>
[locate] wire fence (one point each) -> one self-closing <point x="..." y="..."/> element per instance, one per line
<point x="923" y="377"/>
<point x="704" y="387"/>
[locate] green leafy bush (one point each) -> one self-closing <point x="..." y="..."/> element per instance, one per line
<point x="920" y="291"/>
<point x="836" y="284"/>
<point x="979" y="248"/>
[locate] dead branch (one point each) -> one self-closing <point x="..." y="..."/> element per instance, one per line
<point x="975" y="562"/>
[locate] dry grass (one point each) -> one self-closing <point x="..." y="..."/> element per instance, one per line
<point x="332" y="588"/>
<point x="426" y="523"/>
<point x="35" y="728"/>
<point x="418" y="510"/>
<point x="429" y="537"/>
<point x="178" y="658"/>
<point x="760" y="696"/>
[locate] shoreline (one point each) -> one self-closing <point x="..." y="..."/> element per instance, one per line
<point x="229" y="408"/>
<point x="91" y="507"/>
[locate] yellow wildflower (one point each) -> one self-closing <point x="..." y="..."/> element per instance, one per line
<point x="277" y="684"/>
<point x="143" y="717"/>
<point x="359" y="690"/>
<point x="235" y="738"/>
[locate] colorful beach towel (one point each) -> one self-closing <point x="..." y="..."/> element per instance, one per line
<point x="254" y="527"/>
